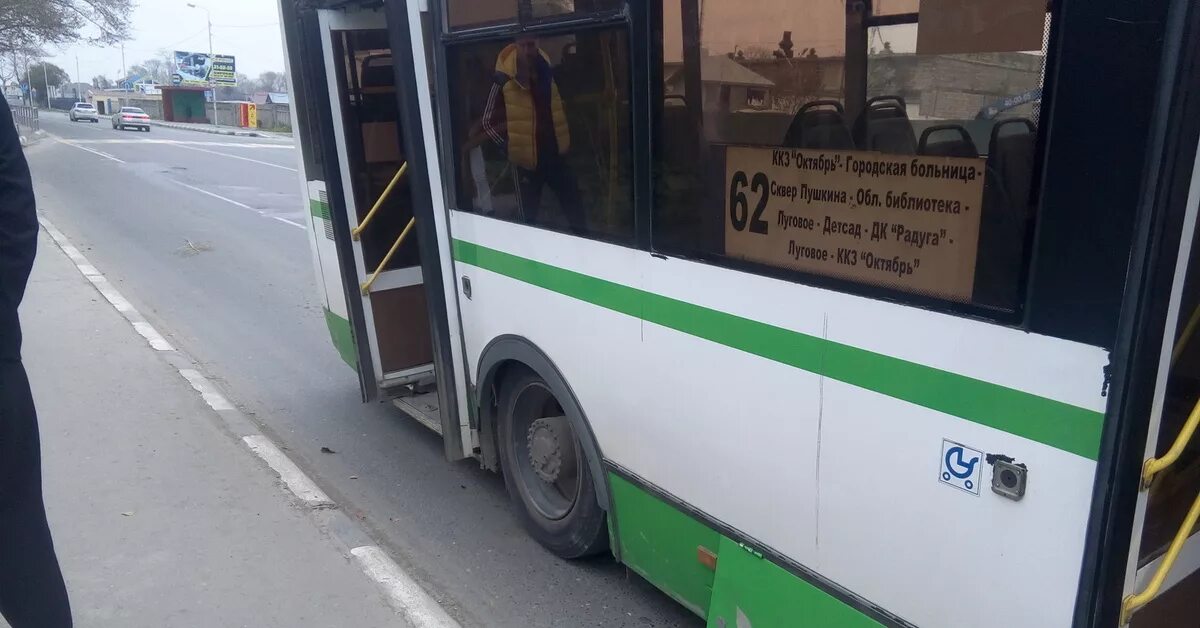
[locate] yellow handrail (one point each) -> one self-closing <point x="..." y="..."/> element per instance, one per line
<point x="1133" y="602"/>
<point x="1188" y="330"/>
<point x="355" y="232"/>
<point x="366" y="287"/>
<point x="1154" y="466"/>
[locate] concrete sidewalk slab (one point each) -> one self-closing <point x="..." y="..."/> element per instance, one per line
<point x="161" y="516"/>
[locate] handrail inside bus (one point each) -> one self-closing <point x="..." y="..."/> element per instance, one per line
<point x="366" y="287"/>
<point x="1133" y="602"/>
<point x="357" y="231"/>
<point x="1186" y="336"/>
<point x="1154" y="466"/>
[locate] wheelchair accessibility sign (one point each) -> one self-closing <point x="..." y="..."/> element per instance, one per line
<point x="961" y="466"/>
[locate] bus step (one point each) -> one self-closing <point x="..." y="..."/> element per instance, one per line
<point x="423" y="407"/>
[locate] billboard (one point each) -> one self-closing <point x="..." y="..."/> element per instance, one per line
<point x="200" y="68"/>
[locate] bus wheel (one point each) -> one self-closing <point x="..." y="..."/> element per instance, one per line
<point x="546" y="471"/>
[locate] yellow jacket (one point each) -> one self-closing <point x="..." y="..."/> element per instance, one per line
<point x="520" y="110"/>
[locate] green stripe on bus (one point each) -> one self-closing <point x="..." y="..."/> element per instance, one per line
<point x="318" y="209"/>
<point x="343" y="338"/>
<point x="1054" y="423"/>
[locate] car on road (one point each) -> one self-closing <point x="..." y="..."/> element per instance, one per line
<point x="131" y="117"/>
<point x="84" y="111"/>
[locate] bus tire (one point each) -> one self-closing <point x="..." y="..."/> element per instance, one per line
<point x="546" y="471"/>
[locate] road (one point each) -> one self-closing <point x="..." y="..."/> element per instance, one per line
<point x="204" y="235"/>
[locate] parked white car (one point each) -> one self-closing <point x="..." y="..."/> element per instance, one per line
<point x="131" y="117"/>
<point x="84" y="111"/>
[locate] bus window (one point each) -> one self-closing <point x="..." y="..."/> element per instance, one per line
<point x="787" y="144"/>
<point x="547" y="8"/>
<point x="541" y="131"/>
<point x="894" y="7"/>
<point x="475" y="13"/>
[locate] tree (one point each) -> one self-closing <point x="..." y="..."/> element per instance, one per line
<point x="157" y="70"/>
<point x="27" y="22"/>
<point x="38" y="75"/>
<point x="271" y="81"/>
<point x="101" y="82"/>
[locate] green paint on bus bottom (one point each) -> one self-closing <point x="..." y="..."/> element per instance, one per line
<point x="1047" y="421"/>
<point x="660" y="543"/>
<point x="343" y="338"/>
<point x="664" y="545"/>
<point x="753" y="591"/>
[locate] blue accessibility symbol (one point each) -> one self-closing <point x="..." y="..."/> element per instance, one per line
<point x="960" y="466"/>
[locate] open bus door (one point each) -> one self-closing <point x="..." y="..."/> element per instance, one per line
<point x="377" y="200"/>
<point x="1162" y="575"/>
<point x="374" y="240"/>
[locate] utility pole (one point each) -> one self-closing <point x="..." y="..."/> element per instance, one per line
<point x="46" y="76"/>
<point x="212" y="88"/>
<point x="122" y="61"/>
<point x="78" y="79"/>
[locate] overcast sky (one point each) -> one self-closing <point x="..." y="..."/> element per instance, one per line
<point x="246" y="29"/>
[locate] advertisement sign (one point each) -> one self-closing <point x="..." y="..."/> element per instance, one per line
<point x="907" y="222"/>
<point x="199" y="68"/>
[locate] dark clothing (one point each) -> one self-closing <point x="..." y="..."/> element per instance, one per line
<point x="32" y="594"/>
<point x="556" y="174"/>
<point x="18" y="233"/>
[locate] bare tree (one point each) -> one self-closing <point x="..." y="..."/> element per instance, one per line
<point x="27" y="22"/>
<point x="272" y="81"/>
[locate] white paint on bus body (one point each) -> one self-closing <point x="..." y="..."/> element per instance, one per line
<point x="872" y="515"/>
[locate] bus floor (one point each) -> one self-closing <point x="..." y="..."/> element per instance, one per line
<point x="421" y="403"/>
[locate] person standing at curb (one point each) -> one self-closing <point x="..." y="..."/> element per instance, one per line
<point x="32" y="592"/>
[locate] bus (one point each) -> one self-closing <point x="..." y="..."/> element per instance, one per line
<point x="811" y="313"/>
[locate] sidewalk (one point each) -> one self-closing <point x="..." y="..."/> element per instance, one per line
<point x="161" y="516"/>
<point x="219" y="130"/>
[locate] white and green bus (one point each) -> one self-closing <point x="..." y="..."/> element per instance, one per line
<point x="811" y="312"/>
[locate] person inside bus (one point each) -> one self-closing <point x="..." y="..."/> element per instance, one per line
<point x="525" y="117"/>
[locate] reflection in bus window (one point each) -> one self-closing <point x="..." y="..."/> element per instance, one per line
<point x="948" y="140"/>
<point x="473" y="13"/>
<point x="541" y="131"/>
<point x="546" y="8"/>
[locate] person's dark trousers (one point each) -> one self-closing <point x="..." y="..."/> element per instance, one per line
<point x="557" y="175"/>
<point x="32" y="594"/>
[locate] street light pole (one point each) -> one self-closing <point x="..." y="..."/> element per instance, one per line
<point x="212" y="88"/>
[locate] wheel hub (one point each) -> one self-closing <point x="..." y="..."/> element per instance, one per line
<point x="545" y="440"/>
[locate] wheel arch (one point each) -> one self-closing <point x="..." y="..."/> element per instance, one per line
<point x="505" y="355"/>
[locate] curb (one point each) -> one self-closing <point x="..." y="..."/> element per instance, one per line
<point x="214" y="131"/>
<point x="412" y="602"/>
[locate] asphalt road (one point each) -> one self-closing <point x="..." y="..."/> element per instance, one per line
<point x="203" y="233"/>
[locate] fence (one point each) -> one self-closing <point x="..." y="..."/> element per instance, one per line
<point x="274" y="116"/>
<point x="25" y="117"/>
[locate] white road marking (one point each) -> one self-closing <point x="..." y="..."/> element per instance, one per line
<point x="208" y="392"/>
<point x="256" y="161"/>
<point x="182" y="143"/>
<point x="102" y="285"/>
<point x="297" y="482"/>
<point x="405" y="595"/>
<point x="239" y="204"/>
<point x="217" y="196"/>
<point x="290" y="222"/>
<point x="94" y="152"/>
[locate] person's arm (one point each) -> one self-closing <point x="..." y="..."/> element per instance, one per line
<point x="495" y="122"/>
<point x="18" y="216"/>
